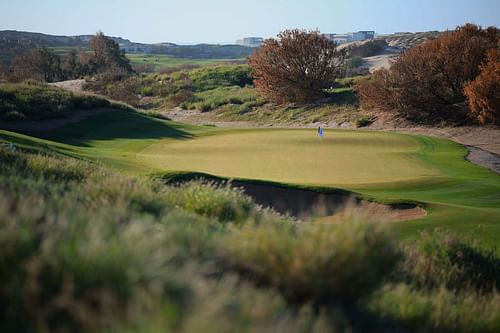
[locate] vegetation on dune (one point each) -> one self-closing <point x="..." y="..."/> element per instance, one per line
<point x="426" y="83"/>
<point x="183" y="87"/>
<point x="35" y="101"/>
<point x="66" y="229"/>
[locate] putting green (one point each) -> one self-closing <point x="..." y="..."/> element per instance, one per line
<point x="297" y="157"/>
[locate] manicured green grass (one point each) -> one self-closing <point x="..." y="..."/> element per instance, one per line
<point x="390" y="167"/>
<point x="297" y="156"/>
<point x="159" y="61"/>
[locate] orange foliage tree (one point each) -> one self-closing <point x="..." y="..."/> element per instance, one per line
<point x="296" y="67"/>
<point x="484" y="92"/>
<point x="427" y="81"/>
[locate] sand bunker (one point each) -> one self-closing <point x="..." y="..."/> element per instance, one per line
<point x="308" y="205"/>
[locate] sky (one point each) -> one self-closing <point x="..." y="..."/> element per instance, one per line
<point x="224" y="21"/>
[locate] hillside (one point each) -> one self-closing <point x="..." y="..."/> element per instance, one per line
<point x="406" y="40"/>
<point x="396" y="43"/>
<point x="13" y="42"/>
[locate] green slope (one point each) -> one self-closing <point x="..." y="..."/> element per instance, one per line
<point x="386" y="166"/>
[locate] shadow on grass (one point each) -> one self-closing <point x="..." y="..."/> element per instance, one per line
<point x="116" y="125"/>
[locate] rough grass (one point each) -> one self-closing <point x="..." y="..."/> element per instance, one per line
<point x="441" y="259"/>
<point x="28" y="101"/>
<point x="309" y="264"/>
<point x="96" y="250"/>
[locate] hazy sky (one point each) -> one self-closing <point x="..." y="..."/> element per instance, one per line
<point x="189" y="21"/>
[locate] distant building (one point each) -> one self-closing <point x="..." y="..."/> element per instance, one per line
<point x="350" y="37"/>
<point x="250" y="41"/>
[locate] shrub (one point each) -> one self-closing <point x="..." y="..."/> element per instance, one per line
<point x="426" y="83"/>
<point x="146" y="91"/>
<point x="363" y="121"/>
<point x="182" y="98"/>
<point x="483" y="92"/>
<point x="438" y="311"/>
<point x="296" y="67"/>
<point x="204" y="107"/>
<point x="235" y="100"/>
<point x="441" y="259"/>
<point x="317" y="264"/>
<point x="209" y="199"/>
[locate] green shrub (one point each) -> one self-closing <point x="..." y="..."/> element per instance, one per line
<point x="235" y="100"/>
<point x="146" y="91"/>
<point x="441" y="259"/>
<point x="363" y="121"/>
<point x="438" y="311"/>
<point x="204" y="107"/>
<point x="209" y="199"/>
<point x="244" y="108"/>
<point x="317" y="264"/>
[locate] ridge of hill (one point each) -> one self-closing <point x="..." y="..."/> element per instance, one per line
<point x="13" y="42"/>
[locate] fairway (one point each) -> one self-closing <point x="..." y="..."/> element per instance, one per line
<point x="161" y="61"/>
<point x="297" y="156"/>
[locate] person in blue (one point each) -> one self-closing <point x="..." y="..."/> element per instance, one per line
<point x="320" y="132"/>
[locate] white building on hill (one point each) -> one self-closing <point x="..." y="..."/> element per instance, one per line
<point x="250" y="41"/>
<point x="350" y="37"/>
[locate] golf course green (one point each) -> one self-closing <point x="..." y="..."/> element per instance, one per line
<point x="386" y="167"/>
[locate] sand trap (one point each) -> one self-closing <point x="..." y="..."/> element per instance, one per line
<point x="308" y="205"/>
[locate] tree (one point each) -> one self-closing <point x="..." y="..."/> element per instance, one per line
<point x="296" y="67"/>
<point x="427" y="81"/>
<point x="38" y="64"/>
<point x="107" y="56"/>
<point x="71" y="65"/>
<point x="3" y="72"/>
<point x="483" y="92"/>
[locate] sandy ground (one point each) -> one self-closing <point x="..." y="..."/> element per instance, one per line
<point x="312" y="206"/>
<point x="71" y="85"/>
<point x="382" y="60"/>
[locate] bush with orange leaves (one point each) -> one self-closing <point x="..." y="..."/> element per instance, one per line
<point x="484" y="92"/>
<point x="296" y="67"/>
<point x="426" y="83"/>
